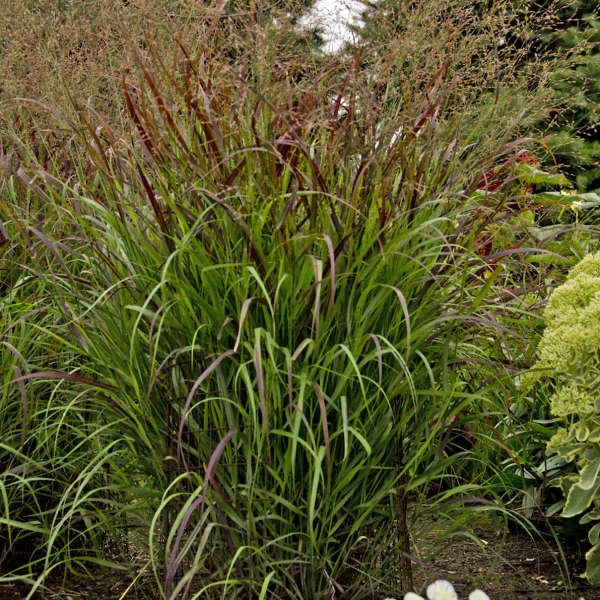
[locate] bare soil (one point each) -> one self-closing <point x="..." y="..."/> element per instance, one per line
<point x="514" y="566"/>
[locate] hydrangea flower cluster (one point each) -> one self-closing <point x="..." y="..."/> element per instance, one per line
<point x="571" y="340"/>
<point x="569" y="364"/>
<point x="443" y="590"/>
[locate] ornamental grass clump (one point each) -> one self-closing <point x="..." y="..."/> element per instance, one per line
<point x="257" y="300"/>
<point x="569" y="352"/>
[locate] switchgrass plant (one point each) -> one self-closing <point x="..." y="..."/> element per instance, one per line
<point x="254" y="303"/>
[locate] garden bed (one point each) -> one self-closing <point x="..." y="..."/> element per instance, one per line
<point x="513" y="566"/>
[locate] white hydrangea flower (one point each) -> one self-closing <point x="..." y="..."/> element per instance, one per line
<point x="478" y="595"/>
<point x="441" y="590"/>
<point x="413" y="596"/>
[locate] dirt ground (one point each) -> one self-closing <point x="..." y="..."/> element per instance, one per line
<point x="512" y="566"/>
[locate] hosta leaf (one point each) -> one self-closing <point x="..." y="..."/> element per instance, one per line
<point x="544" y="233"/>
<point x="552" y="462"/>
<point x="529" y="500"/>
<point x="546" y="258"/>
<point x="552" y="510"/>
<point x="574" y="200"/>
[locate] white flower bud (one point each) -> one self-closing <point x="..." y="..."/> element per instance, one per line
<point x="441" y="590"/>
<point x="478" y="595"/>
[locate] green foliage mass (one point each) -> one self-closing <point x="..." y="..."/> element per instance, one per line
<point x="575" y="137"/>
<point x="566" y="36"/>
<point x="568" y="362"/>
<point x="520" y="48"/>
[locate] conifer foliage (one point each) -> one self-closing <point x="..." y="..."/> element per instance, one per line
<point x="575" y="131"/>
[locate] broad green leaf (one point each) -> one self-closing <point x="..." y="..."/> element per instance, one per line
<point x="594" y="436"/>
<point x="554" y="508"/>
<point x="545" y="258"/>
<point x="589" y="475"/>
<point x="582" y="431"/>
<point x="578" y="500"/>
<point x="572" y="200"/>
<point x="531" y="174"/>
<point x="592" y="570"/>
<point x="594" y="534"/>
<point x="592" y="515"/>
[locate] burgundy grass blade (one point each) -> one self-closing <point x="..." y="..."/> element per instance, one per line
<point x="188" y="402"/>
<point x="66" y="377"/>
<point x="175" y="561"/>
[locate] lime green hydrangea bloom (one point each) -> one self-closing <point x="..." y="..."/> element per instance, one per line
<point x="558" y="440"/>
<point x="572" y="337"/>
<point x="569" y="362"/>
<point x="570" y="398"/>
